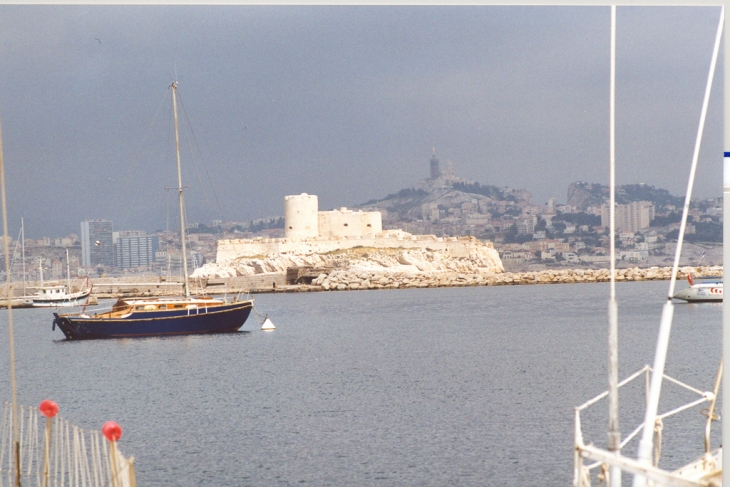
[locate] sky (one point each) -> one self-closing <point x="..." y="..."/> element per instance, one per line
<point x="343" y="102"/>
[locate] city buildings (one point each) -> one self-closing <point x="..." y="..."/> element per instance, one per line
<point x="97" y="243"/>
<point x="629" y="218"/>
<point x="134" y="249"/>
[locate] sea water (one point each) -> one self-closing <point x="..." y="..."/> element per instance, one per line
<point x="449" y="386"/>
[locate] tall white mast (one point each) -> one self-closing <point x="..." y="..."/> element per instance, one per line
<point x="22" y="246"/>
<point x="665" y="325"/>
<point x="68" y="272"/>
<point x="614" y="435"/>
<point x="726" y="245"/>
<point x="180" y="192"/>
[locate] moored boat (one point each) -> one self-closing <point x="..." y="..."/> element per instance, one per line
<point x="54" y="295"/>
<point x="137" y="317"/>
<point x="57" y="296"/>
<point x="143" y="316"/>
<point x="702" y="289"/>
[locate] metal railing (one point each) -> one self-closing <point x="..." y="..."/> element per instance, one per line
<point x="603" y="458"/>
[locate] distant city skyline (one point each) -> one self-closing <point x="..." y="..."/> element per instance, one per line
<point x="346" y="102"/>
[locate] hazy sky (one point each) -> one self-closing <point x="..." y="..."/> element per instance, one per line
<point x="343" y="102"/>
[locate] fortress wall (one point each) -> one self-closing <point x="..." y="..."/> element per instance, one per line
<point x="452" y="246"/>
<point x="340" y="223"/>
<point x="372" y="223"/>
<point x="301" y="216"/>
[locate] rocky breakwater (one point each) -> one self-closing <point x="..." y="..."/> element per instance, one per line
<point x="345" y="279"/>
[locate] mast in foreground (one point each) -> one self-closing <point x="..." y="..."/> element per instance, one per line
<point x="725" y="414"/>
<point x="22" y="240"/>
<point x="614" y="435"/>
<point x="707" y="470"/>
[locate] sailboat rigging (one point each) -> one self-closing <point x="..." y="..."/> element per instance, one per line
<point x="705" y="471"/>
<point x="144" y="316"/>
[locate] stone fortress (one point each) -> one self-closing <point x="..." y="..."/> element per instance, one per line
<point x="347" y="239"/>
<point x="304" y="220"/>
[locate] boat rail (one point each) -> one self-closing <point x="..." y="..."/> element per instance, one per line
<point x="604" y="458"/>
<point x="115" y="307"/>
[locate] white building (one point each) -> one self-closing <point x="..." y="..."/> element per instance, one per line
<point x="302" y="220"/>
<point x="526" y="224"/>
<point x="629" y="218"/>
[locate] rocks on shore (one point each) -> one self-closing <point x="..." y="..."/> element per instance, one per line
<point x="340" y="280"/>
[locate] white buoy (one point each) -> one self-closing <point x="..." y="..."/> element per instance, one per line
<point x="268" y="325"/>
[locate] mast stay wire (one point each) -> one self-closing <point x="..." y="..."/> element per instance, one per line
<point x="136" y="163"/>
<point x="202" y="160"/>
<point x="195" y="165"/>
<point x="12" y="264"/>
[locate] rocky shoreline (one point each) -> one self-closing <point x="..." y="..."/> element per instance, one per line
<point x="363" y="279"/>
<point x="341" y="280"/>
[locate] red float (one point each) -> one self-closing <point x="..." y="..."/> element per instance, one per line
<point x="111" y="431"/>
<point x="48" y="408"/>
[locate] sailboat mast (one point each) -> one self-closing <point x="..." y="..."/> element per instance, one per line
<point x="665" y="324"/>
<point x="68" y="271"/>
<point x="725" y="413"/>
<point x="180" y="193"/>
<point x="614" y="436"/>
<point x="22" y="246"/>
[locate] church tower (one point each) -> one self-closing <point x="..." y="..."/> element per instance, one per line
<point x="435" y="171"/>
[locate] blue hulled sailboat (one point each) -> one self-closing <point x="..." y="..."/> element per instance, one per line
<point x="141" y="317"/>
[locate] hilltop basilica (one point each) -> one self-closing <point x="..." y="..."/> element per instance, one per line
<point x="441" y="179"/>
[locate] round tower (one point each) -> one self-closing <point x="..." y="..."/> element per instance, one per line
<point x="300" y="216"/>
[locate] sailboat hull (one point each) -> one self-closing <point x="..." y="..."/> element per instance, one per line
<point x="223" y="319"/>
<point x="701" y="294"/>
<point x="702" y="290"/>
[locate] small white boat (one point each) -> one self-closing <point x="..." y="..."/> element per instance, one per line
<point x="54" y="295"/>
<point x="58" y="296"/>
<point x="703" y="289"/>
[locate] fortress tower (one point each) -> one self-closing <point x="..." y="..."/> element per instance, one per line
<point x="300" y="216"/>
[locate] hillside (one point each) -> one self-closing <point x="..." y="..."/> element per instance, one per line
<point x="408" y="204"/>
<point x="582" y="195"/>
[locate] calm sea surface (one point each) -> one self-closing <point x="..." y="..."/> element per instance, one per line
<point x="470" y="386"/>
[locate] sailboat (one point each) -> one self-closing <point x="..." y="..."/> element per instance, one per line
<point x="54" y="295"/>
<point x="609" y="463"/>
<point x="144" y="316"/>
